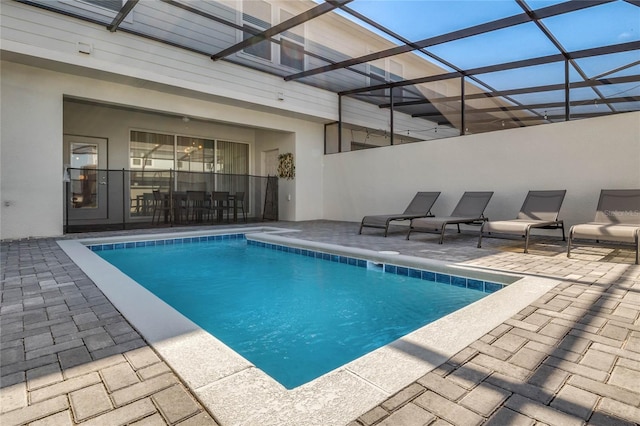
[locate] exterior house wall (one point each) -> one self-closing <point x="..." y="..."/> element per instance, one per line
<point x="41" y="55"/>
<point x="30" y="156"/>
<point x="32" y="140"/>
<point x="582" y="156"/>
<point x="38" y="37"/>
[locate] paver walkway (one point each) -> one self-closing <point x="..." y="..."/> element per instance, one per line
<point x="572" y="357"/>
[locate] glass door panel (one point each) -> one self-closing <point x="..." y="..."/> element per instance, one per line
<point x="83" y="175"/>
<point x="88" y="181"/>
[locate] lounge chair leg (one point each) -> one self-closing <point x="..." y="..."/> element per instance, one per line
<point x="481" y="229"/>
<point x="360" y="231"/>
<point x="458" y="227"/>
<point x="526" y="242"/>
<point x="386" y="227"/>
<point x="442" y="235"/>
<point x="408" y="233"/>
<point x="562" y="226"/>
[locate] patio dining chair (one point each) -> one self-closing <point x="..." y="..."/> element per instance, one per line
<point x="220" y="205"/>
<point x="160" y="206"/>
<point x="238" y="204"/>
<point x="198" y="206"/>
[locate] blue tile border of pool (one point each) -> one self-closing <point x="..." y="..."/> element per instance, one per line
<point x="470" y="283"/>
<point x="165" y="242"/>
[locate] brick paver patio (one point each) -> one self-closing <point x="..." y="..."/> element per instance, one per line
<point x="572" y="357"/>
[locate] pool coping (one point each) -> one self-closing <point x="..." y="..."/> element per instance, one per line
<point x="238" y="393"/>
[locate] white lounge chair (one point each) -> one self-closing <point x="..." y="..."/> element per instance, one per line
<point x="539" y="210"/>
<point x="617" y="219"/>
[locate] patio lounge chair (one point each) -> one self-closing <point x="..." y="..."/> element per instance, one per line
<point x="539" y="210"/>
<point x="617" y="219"/>
<point x="420" y="206"/>
<point x="469" y="210"/>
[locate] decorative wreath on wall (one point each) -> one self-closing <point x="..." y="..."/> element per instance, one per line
<point x="286" y="167"/>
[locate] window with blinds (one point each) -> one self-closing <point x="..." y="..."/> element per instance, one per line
<point x="395" y="74"/>
<point x="232" y="158"/>
<point x="292" y="44"/>
<point x="256" y="15"/>
<point x="114" y="5"/>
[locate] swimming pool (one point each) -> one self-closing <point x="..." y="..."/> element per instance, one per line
<point x="294" y="314"/>
<point x="238" y="393"/>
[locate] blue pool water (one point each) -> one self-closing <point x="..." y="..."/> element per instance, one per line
<point x="295" y="317"/>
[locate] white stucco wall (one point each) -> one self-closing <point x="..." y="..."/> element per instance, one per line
<point x="582" y="156"/>
<point x="30" y="156"/>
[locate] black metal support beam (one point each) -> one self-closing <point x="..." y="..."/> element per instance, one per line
<point x="530" y="106"/>
<point x="391" y="114"/>
<point x="126" y="9"/>
<point x="339" y="123"/>
<point x="523" y="90"/>
<point x="319" y="10"/>
<point x="463" y="117"/>
<point x="560" y="117"/>
<point x="567" y="91"/>
<point x="615" y="70"/>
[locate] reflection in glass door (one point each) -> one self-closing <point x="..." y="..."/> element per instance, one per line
<point x="83" y="175"/>
<point x="87" y="172"/>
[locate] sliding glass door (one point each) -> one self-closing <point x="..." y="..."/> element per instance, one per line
<point x="197" y="164"/>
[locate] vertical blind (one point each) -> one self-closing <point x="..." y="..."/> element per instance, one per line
<point x="232" y="158"/>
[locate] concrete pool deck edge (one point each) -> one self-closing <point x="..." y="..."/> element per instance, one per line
<point x="239" y="393"/>
<point x="388" y="257"/>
